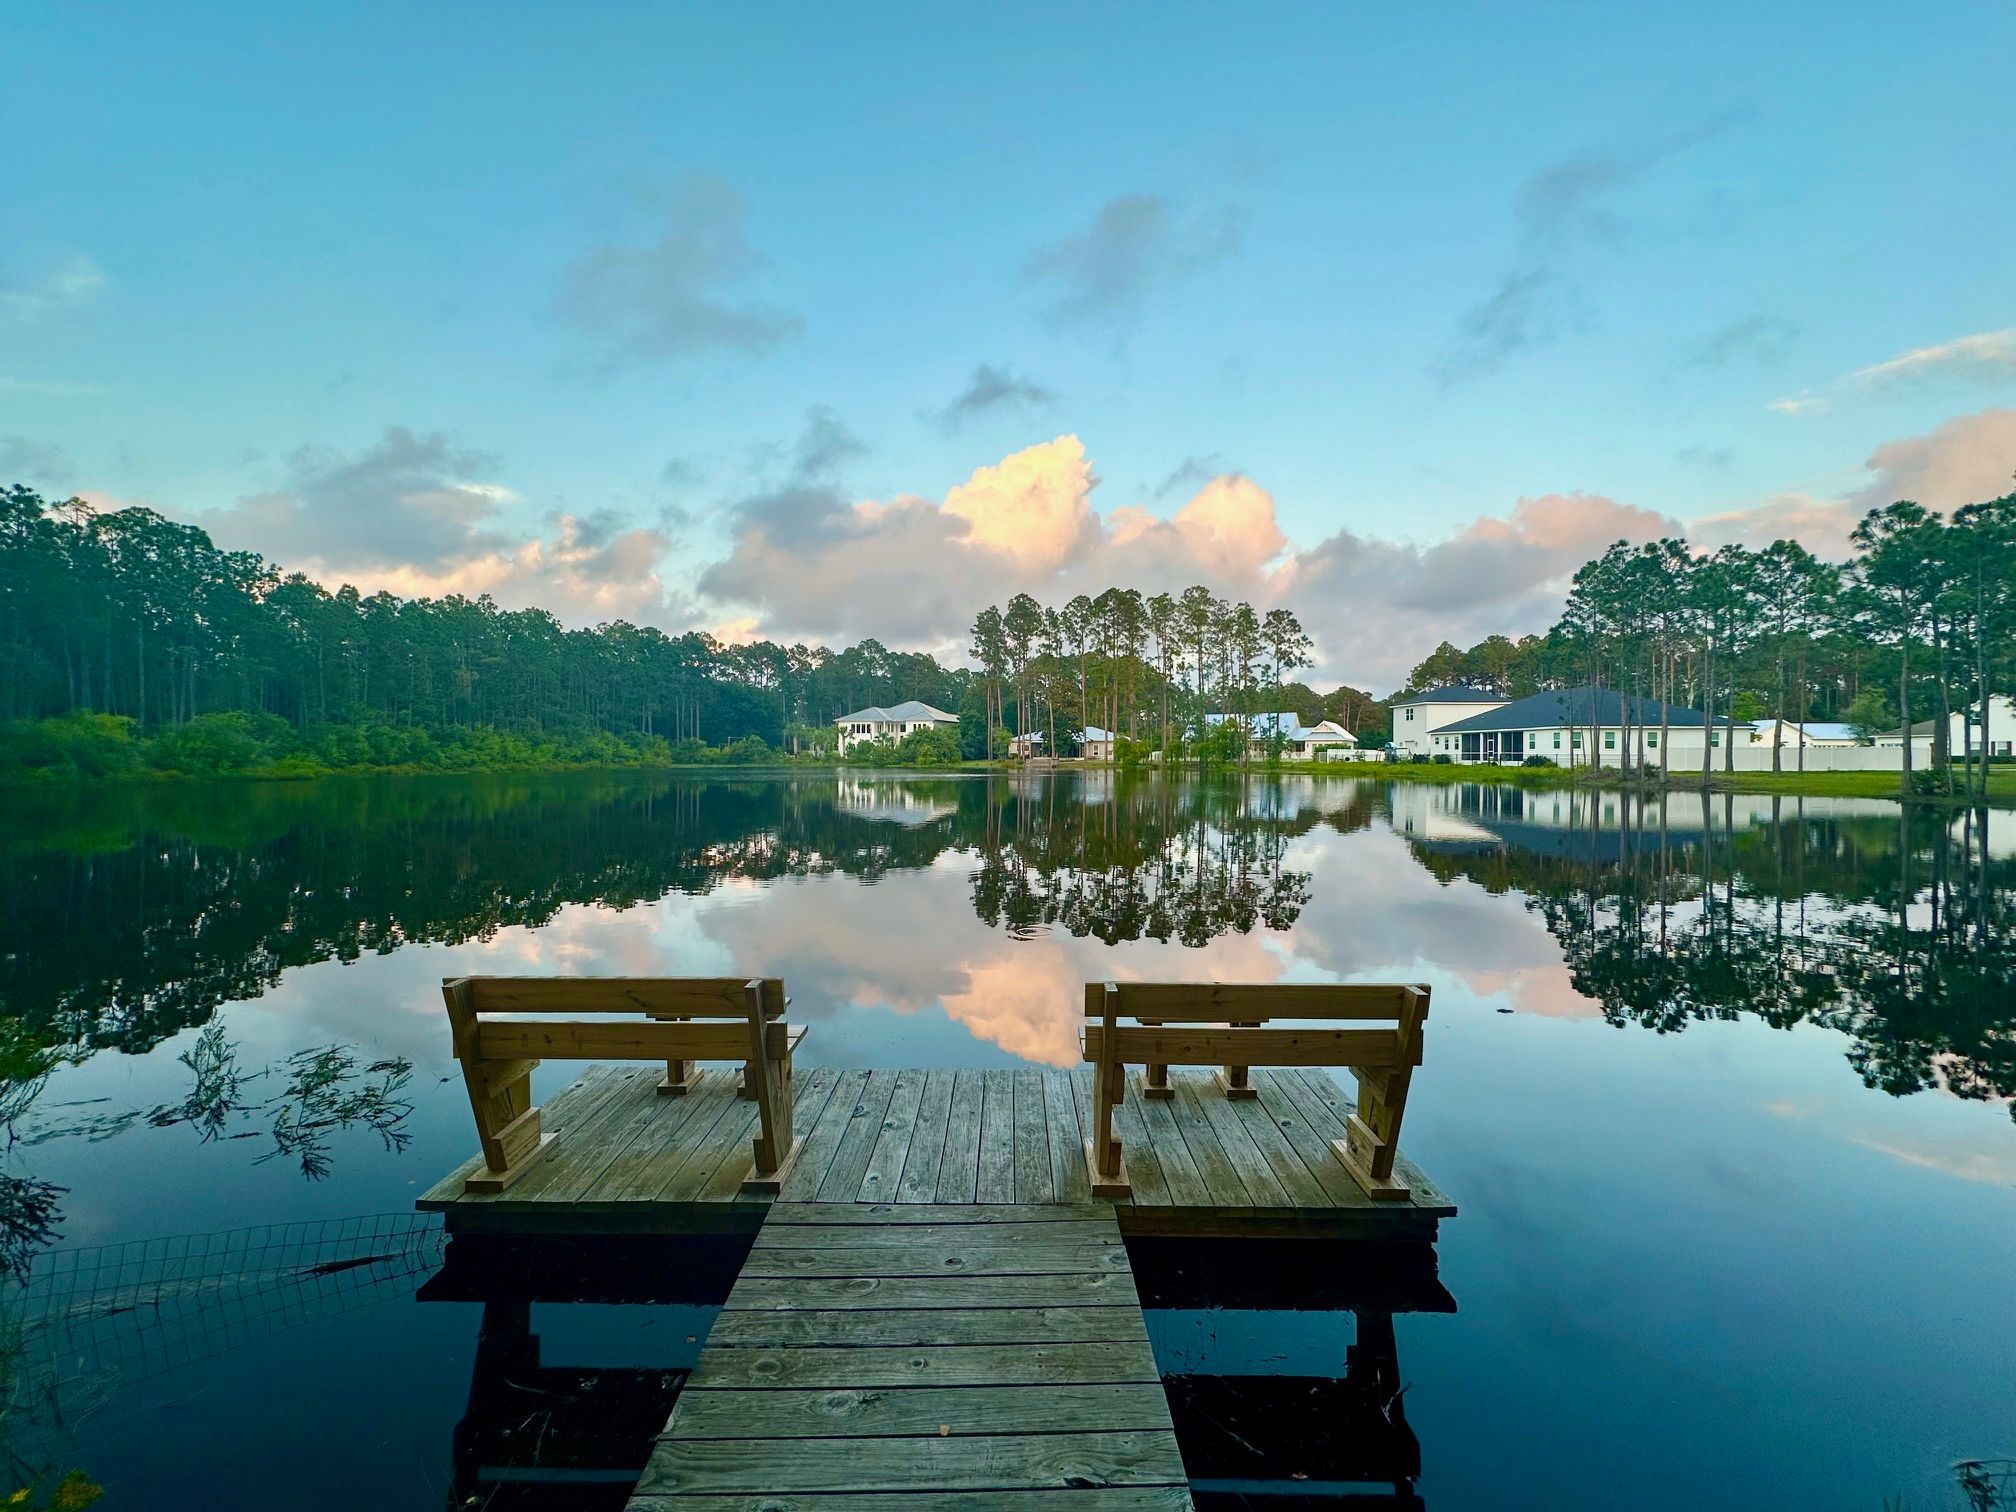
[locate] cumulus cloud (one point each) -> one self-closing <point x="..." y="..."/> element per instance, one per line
<point x="808" y="563"/>
<point x="1964" y="461"/>
<point x="1987" y="357"/>
<point x="23" y="460"/>
<point x="669" y="297"/>
<point x="1134" y="243"/>
<point x="990" y="390"/>
<point x="415" y="514"/>
<point x="72" y="281"/>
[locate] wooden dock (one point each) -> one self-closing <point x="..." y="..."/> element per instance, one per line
<point x="623" y="1159"/>
<point x="920" y="1355"/>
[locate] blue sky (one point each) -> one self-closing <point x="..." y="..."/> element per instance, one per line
<point x="629" y="309"/>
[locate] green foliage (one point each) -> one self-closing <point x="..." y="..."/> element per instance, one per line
<point x="1220" y="745"/>
<point x="749" y="750"/>
<point x="72" y="745"/>
<point x="1870" y="714"/>
<point x="1442" y="758"/>
<point x="1538" y="761"/>
<point x="1130" y="753"/>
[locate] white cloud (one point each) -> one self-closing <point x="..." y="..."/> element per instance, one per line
<point x="1988" y="357"/>
<point x="1798" y="406"/>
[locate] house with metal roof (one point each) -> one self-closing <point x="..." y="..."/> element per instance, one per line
<point x="1416" y="716"/>
<point x="1964" y="731"/>
<point x="890" y="724"/>
<point x="1581" y="726"/>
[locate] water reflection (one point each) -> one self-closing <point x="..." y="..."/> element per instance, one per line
<point x="1896" y="927"/>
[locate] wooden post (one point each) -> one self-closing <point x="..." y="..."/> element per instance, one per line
<point x="1155" y="1076"/>
<point x="1103" y="1155"/>
<point x="777" y="1144"/>
<point x="500" y="1097"/>
<point x="679" y="1078"/>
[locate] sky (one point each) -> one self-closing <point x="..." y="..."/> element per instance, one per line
<point x="818" y="323"/>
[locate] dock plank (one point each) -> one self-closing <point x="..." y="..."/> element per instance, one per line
<point x="822" y="1139"/>
<point x="914" y="1326"/>
<point x="1083" y="1499"/>
<point x="798" y="1294"/>
<point x="1034" y="1180"/>
<point x="884" y="1172"/>
<point x="927" y="1145"/>
<point x="874" y="1366"/>
<point x="843" y="1178"/>
<point x="959" y="1168"/>
<point x="907" y="1258"/>
<point x="868" y="1412"/>
<point x="997" y="1139"/>
<point x="991" y="1462"/>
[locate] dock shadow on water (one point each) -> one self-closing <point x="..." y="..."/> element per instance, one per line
<point x="1722" y="1087"/>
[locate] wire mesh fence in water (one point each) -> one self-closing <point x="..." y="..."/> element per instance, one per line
<point x="147" y="1305"/>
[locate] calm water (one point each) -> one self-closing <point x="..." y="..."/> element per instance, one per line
<point x="1722" y="1096"/>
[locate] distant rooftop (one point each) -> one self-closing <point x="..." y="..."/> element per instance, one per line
<point x="1454" y="693"/>
<point x="1563" y="707"/>
<point x="907" y="712"/>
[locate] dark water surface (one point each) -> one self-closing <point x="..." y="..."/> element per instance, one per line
<point x="1723" y="1096"/>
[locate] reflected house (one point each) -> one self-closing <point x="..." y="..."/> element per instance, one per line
<point x="893" y="801"/>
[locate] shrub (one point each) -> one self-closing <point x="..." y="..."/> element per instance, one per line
<point x="71" y="745"/>
<point x="1442" y="758"/>
<point x="934" y="746"/>
<point x="1538" y="761"/>
<point x="748" y="751"/>
<point x="208" y="745"/>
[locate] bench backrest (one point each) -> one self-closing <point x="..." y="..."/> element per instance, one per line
<point x="1224" y="1024"/>
<point x="682" y="1018"/>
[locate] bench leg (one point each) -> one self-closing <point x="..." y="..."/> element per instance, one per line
<point x="507" y="1125"/>
<point x="1372" y="1136"/>
<point x="1235" y="1082"/>
<point x="678" y="1080"/>
<point x="777" y="1144"/>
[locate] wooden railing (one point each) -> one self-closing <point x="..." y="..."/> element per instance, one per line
<point x="685" y="1020"/>
<point x="1157" y="1025"/>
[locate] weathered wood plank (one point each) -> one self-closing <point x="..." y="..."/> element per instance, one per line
<point x="1323" y="1092"/>
<point x="959" y="1169"/>
<point x="943" y="1365"/>
<point x="735" y="1328"/>
<point x="1034" y="1181"/>
<point x="640" y="1135"/>
<point x="997" y="1140"/>
<point x="1216" y="1002"/>
<point x="868" y="1412"/>
<point x="823" y="1138"/>
<point x="975" y="1463"/>
<point x="1067" y="1138"/>
<point x="800" y="1294"/>
<point x="566" y="1111"/>
<point x="899" y="1126"/>
<point x="842" y="1181"/>
<point x="693" y="997"/>
<point x="1176" y="1046"/>
<point x="1204" y="1098"/>
<point x="854" y="1214"/>
<point x="1144" y="1160"/>
<point x="833" y="1237"/>
<point x="1186" y="1184"/>
<point x="730" y="1139"/>
<point x="1221" y="1178"/>
<point x="1087" y="1499"/>
<point x="927" y="1145"/>
<point x="1339" y="1190"/>
<point x="907" y="1259"/>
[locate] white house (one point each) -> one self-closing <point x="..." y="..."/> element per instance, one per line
<point x="1580" y="727"/>
<point x="2000" y="737"/>
<point x="1095" y="744"/>
<point x="890" y="724"/>
<point x="1324" y="740"/>
<point x="1419" y="715"/>
<point x="1786" y="732"/>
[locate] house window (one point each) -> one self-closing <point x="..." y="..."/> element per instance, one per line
<point x="1557" y="740"/>
<point x="1410" y="716"/>
<point x="1652" y="739"/>
<point x="1715" y="738"/>
<point x="1575" y="739"/>
<point x="1609" y="740"/>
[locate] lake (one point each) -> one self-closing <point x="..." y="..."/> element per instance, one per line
<point x="1722" y="1092"/>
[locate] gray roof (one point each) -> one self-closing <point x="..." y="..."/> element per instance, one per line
<point x="1564" y="707"/>
<point x="907" y="712"/>
<point x="1454" y="693"/>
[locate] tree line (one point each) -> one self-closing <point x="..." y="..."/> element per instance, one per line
<point x="1147" y="668"/>
<point x="1918" y="623"/>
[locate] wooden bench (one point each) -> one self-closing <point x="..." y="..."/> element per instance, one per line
<point x="685" y="1020"/>
<point x="1162" y="1024"/>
